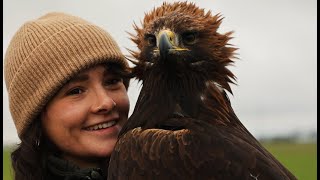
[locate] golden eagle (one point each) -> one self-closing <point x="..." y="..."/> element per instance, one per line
<point x="183" y="125"/>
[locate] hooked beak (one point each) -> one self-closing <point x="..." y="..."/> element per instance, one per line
<point x="167" y="43"/>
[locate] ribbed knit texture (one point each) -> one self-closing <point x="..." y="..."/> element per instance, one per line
<point x="44" y="54"/>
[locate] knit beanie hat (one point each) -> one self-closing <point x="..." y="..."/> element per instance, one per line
<point x="47" y="52"/>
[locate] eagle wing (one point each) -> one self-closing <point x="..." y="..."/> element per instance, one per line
<point x="190" y="153"/>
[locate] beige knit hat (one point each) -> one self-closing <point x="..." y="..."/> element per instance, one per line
<point x="44" y="54"/>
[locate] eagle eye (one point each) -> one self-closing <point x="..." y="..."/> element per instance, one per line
<point x="189" y="38"/>
<point x="151" y="39"/>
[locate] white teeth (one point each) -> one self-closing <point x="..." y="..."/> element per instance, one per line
<point x="102" y="126"/>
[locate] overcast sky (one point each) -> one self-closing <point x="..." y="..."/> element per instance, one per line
<point x="276" y="72"/>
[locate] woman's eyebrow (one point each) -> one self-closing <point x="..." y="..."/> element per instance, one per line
<point x="79" y="78"/>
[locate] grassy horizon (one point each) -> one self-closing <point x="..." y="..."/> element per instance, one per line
<point x="299" y="159"/>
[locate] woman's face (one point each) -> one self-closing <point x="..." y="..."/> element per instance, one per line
<point x="86" y="116"/>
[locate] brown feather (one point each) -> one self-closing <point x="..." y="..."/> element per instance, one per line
<point x="183" y="125"/>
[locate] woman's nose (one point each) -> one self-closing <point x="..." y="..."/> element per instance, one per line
<point x="103" y="103"/>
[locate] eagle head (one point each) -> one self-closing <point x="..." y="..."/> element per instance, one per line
<point x="180" y="40"/>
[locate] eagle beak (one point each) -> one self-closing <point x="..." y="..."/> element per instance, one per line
<point x="167" y="43"/>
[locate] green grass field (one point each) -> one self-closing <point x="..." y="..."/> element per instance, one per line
<point x="300" y="159"/>
<point x="6" y="164"/>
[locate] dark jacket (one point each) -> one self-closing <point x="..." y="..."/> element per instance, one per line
<point x="59" y="169"/>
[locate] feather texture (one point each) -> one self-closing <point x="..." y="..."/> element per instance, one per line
<point x="183" y="125"/>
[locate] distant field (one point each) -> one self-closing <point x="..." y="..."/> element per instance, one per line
<point x="300" y="159"/>
<point x="6" y="164"/>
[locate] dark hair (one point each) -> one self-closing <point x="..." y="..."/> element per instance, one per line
<point x="120" y="70"/>
<point x="30" y="157"/>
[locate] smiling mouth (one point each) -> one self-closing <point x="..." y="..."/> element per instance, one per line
<point x="101" y="126"/>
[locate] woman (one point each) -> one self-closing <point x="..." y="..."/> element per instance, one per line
<point x="67" y="84"/>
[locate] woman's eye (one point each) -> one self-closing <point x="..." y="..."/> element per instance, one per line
<point x="189" y="38"/>
<point x="75" y="91"/>
<point x="151" y="39"/>
<point x="114" y="81"/>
